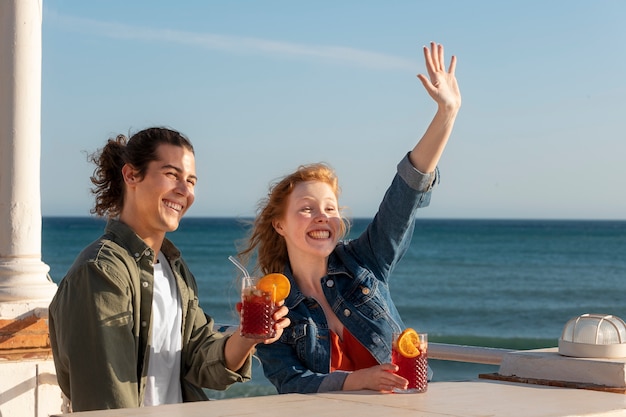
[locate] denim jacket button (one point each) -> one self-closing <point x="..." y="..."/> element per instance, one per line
<point x="346" y="312"/>
<point x="330" y="283"/>
<point x="365" y="290"/>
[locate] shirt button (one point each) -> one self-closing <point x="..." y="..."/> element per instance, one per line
<point x="365" y="290"/>
<point x="330" y="283"/>
<point x="346" y="312"/>
<point x="145" y="284"/>
<point x="144" y="324"/>
<point x="136" y="255"/>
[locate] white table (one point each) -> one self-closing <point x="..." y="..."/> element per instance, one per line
<point x="468" y="399"/>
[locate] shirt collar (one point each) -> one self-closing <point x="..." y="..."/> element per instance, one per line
<point x="126" y="237"/>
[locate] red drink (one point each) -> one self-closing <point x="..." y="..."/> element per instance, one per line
<point x="256" y="314"/>
<point x="413" y="369"/>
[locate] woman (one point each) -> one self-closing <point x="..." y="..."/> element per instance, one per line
<point x="126" y="327"/>
<point x="341" y="312"/>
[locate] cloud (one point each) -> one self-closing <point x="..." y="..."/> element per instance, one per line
<point x="330" y="54"/>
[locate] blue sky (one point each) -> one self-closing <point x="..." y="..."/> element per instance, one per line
<point x="261" y="87"/>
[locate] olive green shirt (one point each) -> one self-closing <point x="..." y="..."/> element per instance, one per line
<point x="100" y="321"/>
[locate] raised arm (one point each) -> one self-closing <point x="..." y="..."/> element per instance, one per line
<point x="442" y="86"/>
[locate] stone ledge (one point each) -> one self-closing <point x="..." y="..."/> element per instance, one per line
<point x="552" y="383"/>
<point x="30" y="332"/>
<point x="17" y="355"/>
<point x="548" y="367"/>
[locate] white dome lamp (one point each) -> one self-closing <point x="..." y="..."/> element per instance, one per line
<point x="594" y="336"/>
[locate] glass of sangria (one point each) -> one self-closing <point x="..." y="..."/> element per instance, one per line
<point x="257" y="309"/>
<point x="258" y="304"/>
<point x="410" y="353"/>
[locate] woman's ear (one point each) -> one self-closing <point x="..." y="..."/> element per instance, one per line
<point x="278" y="227"/>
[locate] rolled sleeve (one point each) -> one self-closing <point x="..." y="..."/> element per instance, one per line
<point x="333" y="381"/>
<point x="414" y="178"/>
<point x="208" y="364"/>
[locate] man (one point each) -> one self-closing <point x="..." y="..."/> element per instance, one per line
<point x="126" y="327"/>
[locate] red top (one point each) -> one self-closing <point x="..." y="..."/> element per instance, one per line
<point x="349" y="354"/>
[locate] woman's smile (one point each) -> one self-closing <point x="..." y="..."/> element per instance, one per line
<point x="319" y="234"/>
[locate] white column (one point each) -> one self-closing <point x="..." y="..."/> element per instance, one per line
<point x="27" y="386"/>
<point x="23" y="275"/>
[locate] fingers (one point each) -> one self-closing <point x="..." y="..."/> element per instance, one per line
<point x="389" y="367"/>
<point x="440" y="84"/>
<point x="429" y="86"/>
<point x="283" y="323"/>
<point x="435" y="59"/>
<point x="452" y="65"/>
<point x="388" y="380"/>
<point x="440" y="59"/>
<point x="377" y="378"/>
<point x="425" y="81"/>
<point x="280" y="325"/>
<point x="280" y="312"/>
<point x="429" y="61"/>
<point x="439" y="62"/>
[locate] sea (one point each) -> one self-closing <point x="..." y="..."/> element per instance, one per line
<point x="510" y="284"/>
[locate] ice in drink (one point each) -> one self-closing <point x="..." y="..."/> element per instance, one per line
<point x="257" y="310"/>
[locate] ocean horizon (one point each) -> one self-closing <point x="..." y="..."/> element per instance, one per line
<point x="508" y="283"/>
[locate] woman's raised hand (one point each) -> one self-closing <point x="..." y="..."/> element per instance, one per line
<point x="440" y="84"/>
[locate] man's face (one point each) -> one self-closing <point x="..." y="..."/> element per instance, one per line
<point x="166" y="191"/>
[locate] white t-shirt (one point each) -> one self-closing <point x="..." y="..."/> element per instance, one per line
<point x="163" y="382"/>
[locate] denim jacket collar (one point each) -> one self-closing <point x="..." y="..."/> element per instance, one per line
<point x="295" y="296"/>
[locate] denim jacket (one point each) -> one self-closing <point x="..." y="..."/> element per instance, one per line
<point x="356" y="287"/>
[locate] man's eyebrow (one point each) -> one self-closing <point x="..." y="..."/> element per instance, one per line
<point x="177" y="169"/>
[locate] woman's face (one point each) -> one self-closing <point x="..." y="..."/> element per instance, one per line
<point x="311" y="224"/>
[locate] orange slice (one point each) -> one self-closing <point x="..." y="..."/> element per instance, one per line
<point x="275" y="284"/>
<point x="408" y="343"/>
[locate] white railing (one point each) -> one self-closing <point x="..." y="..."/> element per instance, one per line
<point x="460" y="353"/>
<point x="441" y="351"/>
